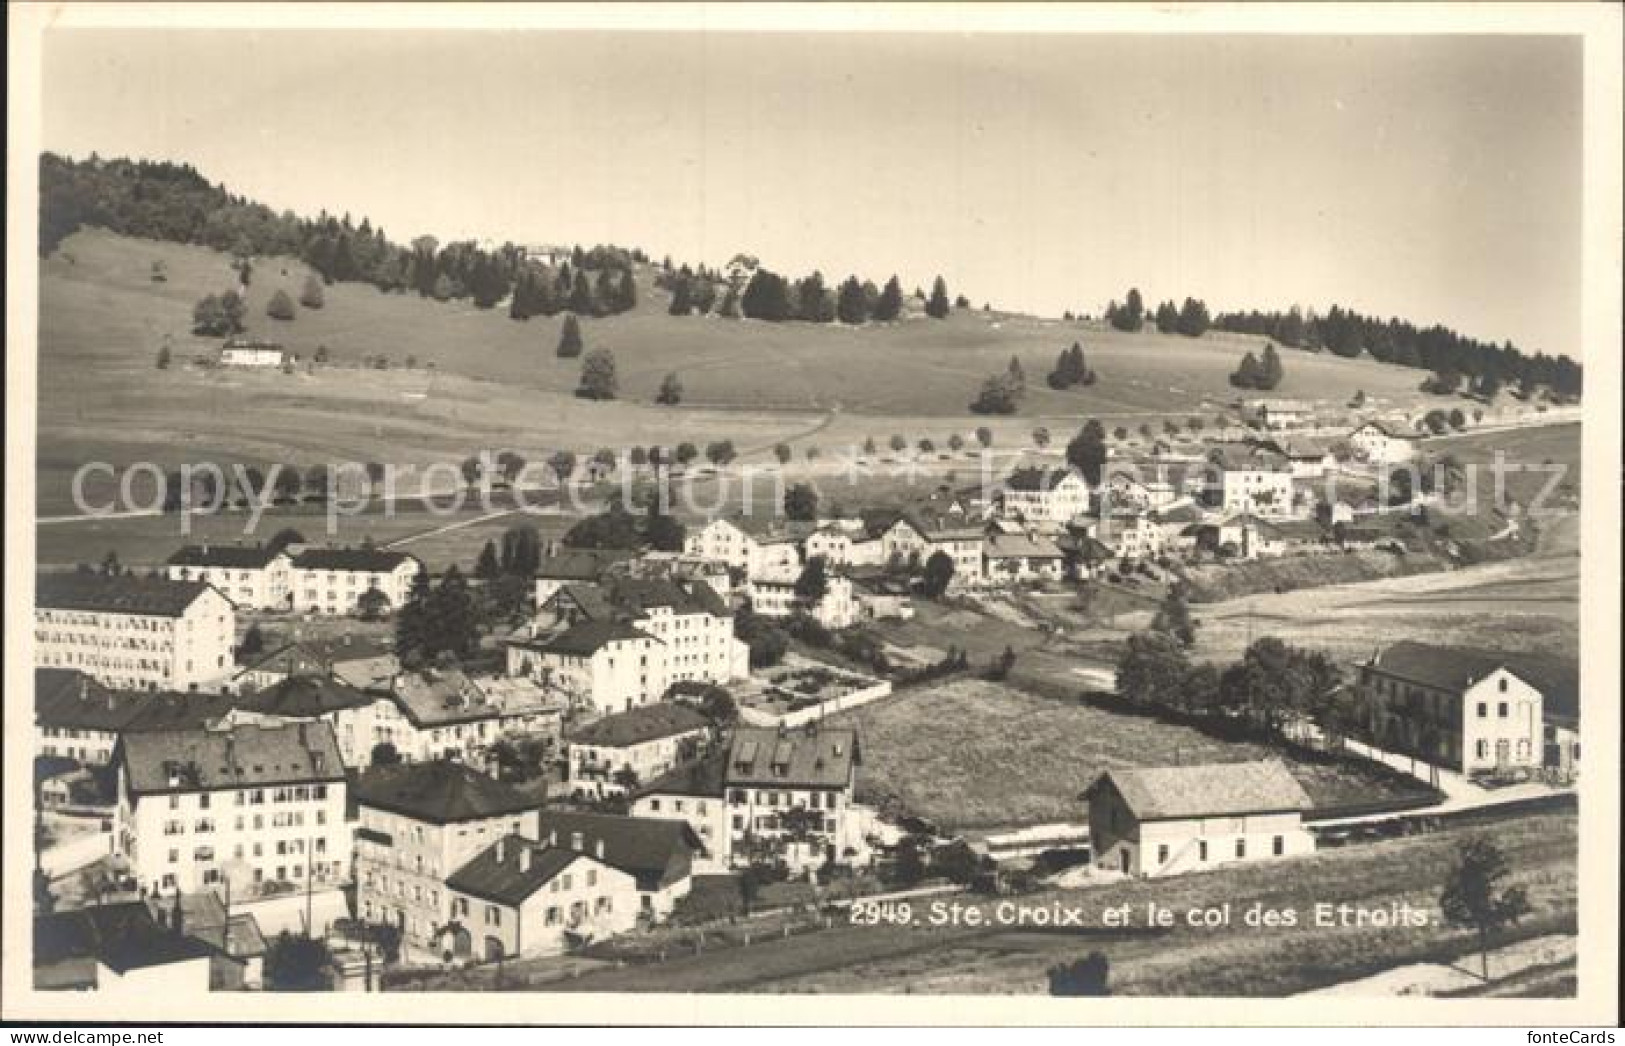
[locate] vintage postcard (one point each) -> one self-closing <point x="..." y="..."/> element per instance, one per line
<point x="1076" y="514"/>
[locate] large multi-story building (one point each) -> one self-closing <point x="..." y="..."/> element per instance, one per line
<point x="789" y="794"/>
<point x="776" y="597"/>
<point x="417" y="824"/>
<point x="1466" y="710"/>
<point x="747" y="544"/>
<point x="333" y="580"/>
<point x="248" y="804"/>
<point x="1044" y="495"/>
<point x="249" y="575"/>
<point x="139" y="633"/>
<point x="620" y="751"/>
<point x="603" y="666"/>
<point x="1383" y="444"/>
<point x="77" y="718"/>
<point x="1252" y="479"/>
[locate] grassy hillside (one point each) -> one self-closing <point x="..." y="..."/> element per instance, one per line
<point x="496" y="382"/>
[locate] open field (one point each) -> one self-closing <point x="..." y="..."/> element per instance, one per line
<point x="495" y="382"/>
<point x="1523" y="604"/>
<point x="1228" y="961"/>
<point x="974" y="754"/>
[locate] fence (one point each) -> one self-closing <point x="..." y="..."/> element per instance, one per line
<point x="801" y="716"/>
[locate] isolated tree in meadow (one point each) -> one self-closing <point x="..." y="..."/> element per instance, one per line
<point x="721" y="452"/>
<point x="939" y="573"/>
<point x="870" y="447"/>
<point x="1270" y="371"/>
<point x="598" y="381"/>
<point x="1041" y="436"/>
<point x="999" y="394"/>
<point x="563" y="464"/>
<point x="686" y="453"/>
<point x="984" y="435"/>
<point x="1173" y="617"/>
<point x="280" y="307"/>
<point x="1247" y="373"/>
<point x="890" y="303"/>
<point x="956" y="442"/>
<point x="218" y="315"/>
<point x="671" y="391"/>
<point x="570" y="337"/>
<point x="783" y="452"/>
<point x="312" y="296"/>
<point x="1477" y="898"/>
<point x="1120" y="434"/>
<point x="937" y="305"/>
<point x="926" y="445"/>
<point x="1152" y="665"/>
<point x="898" y="444"/>
<point x="801" y="502"/>
<point x="163" y="358"/>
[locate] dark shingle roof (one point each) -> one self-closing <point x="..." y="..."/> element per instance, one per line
<point x="653" y="849"/>
<point x="586" y="638"/>
<point x="439" y="792"/>
<point x="121" y="936"/>
<point x="236" y="557"/>
<point x="65" y="697"/>
<point x="259" y="755"/>
<point x="640" y="725"/>
<point x="505" y="881"/>
<point x="820" y="757"/>
<point x="1036" y="478"/>
<point x="151" y="597"/>
<point x="306" y="696"/>
<point x="1456" y="668"/>
<point x="702" y="778"/>
<point x="1158" y="793"/>
<point x="581" y="564"/>
<point x="364" y="560"/>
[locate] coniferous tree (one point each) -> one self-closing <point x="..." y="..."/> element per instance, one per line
<point x="671" y="391"/>
<point x="1193" y="319"/>
<point x="598" y="379"/>
<point x="1270" y="372"/>
<point x="1167" y="318"/>
<point x="312" y="297"/>
<point x="766" y="297"/>
<point x="280" y="307"/>
<point x="487" y="568"/>
<point x="937" y="306"/>
<point x="890" y="303"/>
<point x="1247" y="373"/>
<point x="680" y="304"/>
<point x="852" y="306"/>
<point x="411" y="622"/>
<point x="570" y="337"/>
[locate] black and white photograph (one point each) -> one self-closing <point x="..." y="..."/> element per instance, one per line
<point x="1103" y="514"/>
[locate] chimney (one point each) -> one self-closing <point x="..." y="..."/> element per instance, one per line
<point x="502" y="849"/>
<point x="524" y="858"/>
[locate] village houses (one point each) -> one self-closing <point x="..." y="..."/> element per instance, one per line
<point x="694" y="792"/>
<point x="135" y="633"/>
<point x="254" y="576"/>
<point x="609" y="756"/>
<point x="747" y="544"/>
<point x="775" y="597"/>
<point x="1383" y="444"/>
<point x="77" y="718"/>
<point x="333" y="580"/>
<point x="417" y="823"/>
<point x="1020" y="557"/>
<point x="249" y="805"/>
<point x="790" y="795"/>
<point x="575" y="567"/>
<point x="1150" y="821"/>
<point x="1044" y="495"/>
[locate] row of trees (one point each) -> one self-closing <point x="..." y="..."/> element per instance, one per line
<point x="1438" y="348"/>
<point x="542" y="291"/>
<point x="769" y="296"/>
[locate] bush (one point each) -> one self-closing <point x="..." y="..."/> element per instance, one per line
<point x="280" y="307"/>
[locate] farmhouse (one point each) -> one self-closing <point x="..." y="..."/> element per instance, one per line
<point x="1171" y="819"/>
<point x="1021" y="557"/>
<point x="134" y="632"/>
<point x="607" y="756"/>
<point x="251" y="352"/>
<point x="417" y="823"/>
<point x="790" y="792"/>
<point x="1130" y="535"/>
<point x="1253" y="479"/>
<point x="1467" y="710"/>
<point x="1248" y="537"/>
<point x="1383" y="444"/>
<point x="843" y="544"/>
<point x="248" y="804"/>
<point x="1140" y="491"/>
<point x="745" y="543"/>
<point x="250" y="576"/>
<point x="689" y="620"/>
<point x="1047" y="495"/>
<point x="1278" y="413"/>
<point x="1084" y="555"/>
<point x="333" y="580"/>
<point x="1309" y="459"/>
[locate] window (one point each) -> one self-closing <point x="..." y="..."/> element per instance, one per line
<point x="1201" y="850"/>
<point x="1162" y="853"/>
<point x="1280" y="845"/>
<point x="493" y="915"/>
<point x="1501" y="685"/>
<point x="1501" y="710"/>
<point x="1483" y="709"/>
<point x="1241" y="848"/>
<point x="592" y="877"/>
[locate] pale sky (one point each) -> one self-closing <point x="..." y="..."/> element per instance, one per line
<point x="1435" y="178"/>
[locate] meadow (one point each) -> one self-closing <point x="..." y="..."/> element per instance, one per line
<point x="971" y="754"/>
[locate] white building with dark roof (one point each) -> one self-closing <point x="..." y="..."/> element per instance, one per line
<point x="252" y="352"/>
<point x="249" y="805"/>
<point x="1166" y="820"/>
<point x="333" y="580"/>
<point x="791" y="791"/>
<point x="249" y="575"/>
<point x="139" y="633"/>
<point x="645" y="742"/>
<point x="1382" y="444"/>
<point x="1044" y="495"/>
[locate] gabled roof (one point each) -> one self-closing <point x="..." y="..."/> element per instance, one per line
<point x="244" y="756"/>
<point x="640" y="725"/>
<point x="1186" y="513"/>
<point x="122" y="937"/>
<point x="703" y="778"/>
<point x="439" y="792"/>
<point x="1386" y="429"/>
<point x="362" y="560"/>
<point x="499" y="874"/>
<point x="1161" y="793"/>
<point x="1454" y="669"/>
<point x="809" y="757"/>
<point x="306" y="696"/>
<point x="1037" y="478"/>
<point x="149" y="597"/>
<point x="318" y="654"/>
<point x="583" y="639"/>
<point x="433" y="697"/>
<point x="235" y="557"/>
<point x="650" y="848"/>
<point x="1010" y="546"/>
<point x="65" y="697"/>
